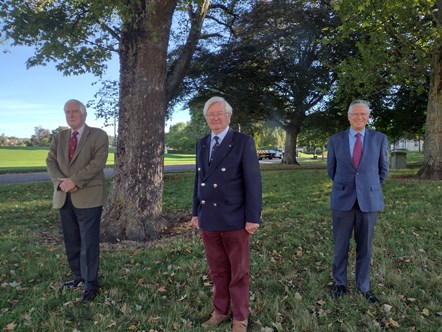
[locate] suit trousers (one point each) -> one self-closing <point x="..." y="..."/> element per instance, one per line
<point x="344" y="222"/>
<point x="228" y="257"/>
<point x="81" y="233"/>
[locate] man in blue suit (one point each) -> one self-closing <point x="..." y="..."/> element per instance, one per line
<point x="357" y="162"/>
<point x="227" y="203"/>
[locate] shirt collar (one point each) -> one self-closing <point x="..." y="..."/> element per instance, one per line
<point x="353" y="132"/>
<point x="80" y="130"/>
<point x="221" y="135"/>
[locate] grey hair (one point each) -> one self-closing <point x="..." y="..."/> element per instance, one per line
<point x="82" y="106"/>
<point x="216" y="99"/>
<point x="359" y="102"/>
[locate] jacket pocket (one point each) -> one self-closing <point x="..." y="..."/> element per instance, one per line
<point x="375" y="187"/>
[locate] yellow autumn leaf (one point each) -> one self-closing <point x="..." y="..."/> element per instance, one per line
<point x="426" y="312"/>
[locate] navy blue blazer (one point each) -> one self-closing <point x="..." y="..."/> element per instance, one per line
<point x="228" y="192"/>
<point x="363" y="183"/>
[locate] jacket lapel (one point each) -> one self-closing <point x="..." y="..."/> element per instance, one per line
<point x="346" y="144"/>
<point x="65" y="140"/>
<point x="221" y="152"/>
<point x="203" y="155"/>
<point x="81" y="143"/>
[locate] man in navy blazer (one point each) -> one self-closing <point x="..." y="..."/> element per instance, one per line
<point x="356" y="195"/>
<point x="227" y="203"/>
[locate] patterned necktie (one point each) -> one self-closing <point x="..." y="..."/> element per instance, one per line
<point x="215" y="146"/>
<point x="357" y="150"/>
<point x="72" y="144"/>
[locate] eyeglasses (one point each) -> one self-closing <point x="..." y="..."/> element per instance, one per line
<point x="215" y="115"/>
<point x="363" y="115"/>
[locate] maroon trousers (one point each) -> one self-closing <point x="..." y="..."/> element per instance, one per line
<point x="228" y="257"/>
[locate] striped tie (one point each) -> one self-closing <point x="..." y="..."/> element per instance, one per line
<point x="215" y="146"/>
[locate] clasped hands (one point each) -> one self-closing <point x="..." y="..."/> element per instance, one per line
<point x="67" y="185"/>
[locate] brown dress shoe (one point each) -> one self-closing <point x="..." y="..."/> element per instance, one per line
<point x="215" y="319"/>
<point x="239" y="326"/>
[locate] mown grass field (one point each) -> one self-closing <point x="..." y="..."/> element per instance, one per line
<point x="164" y="286"/>
<point x="31" y="159"/>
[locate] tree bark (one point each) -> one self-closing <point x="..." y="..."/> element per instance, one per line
<point x="432" y="167"/>
<point x="291" y="138"/>
<point x="134" y="207"/>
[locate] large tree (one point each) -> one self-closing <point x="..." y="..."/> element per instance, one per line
<point x="81" y="36"/>
<point x="275" y="68"/>
<point x="399" y="47"/>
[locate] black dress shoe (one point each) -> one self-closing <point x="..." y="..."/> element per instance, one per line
<point x="370" y="297"/>
<point x="72" y="283"/>
<point x="89" y="295"/>
<point x="339" y="291"/>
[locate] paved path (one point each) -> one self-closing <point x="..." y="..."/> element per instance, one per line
<point x="44" y="176"/>
<point x="108" y="172"/>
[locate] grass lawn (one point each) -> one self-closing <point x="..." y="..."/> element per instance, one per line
<point x="164" y="285"/>
<point x="31" y="159"/>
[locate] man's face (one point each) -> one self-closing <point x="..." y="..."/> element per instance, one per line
<point x="217" y="118"/>
<point x="358" y="117"/>
<point x="74" y="117"/>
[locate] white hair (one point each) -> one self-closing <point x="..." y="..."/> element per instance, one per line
<point x="216" y="99"/>
<point x="359" y="102"/>
<point x="79" y="103"/>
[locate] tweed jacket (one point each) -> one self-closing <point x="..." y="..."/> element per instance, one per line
<point x="85" y="169"/>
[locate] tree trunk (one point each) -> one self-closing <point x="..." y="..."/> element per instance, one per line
<point x="292" y="132"/>
<point x="134" y="207"/>
<point x="432" y="168"/>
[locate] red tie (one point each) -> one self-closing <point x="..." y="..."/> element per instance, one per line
<point x="72" y="144"/>
<point x="357" y="151"/>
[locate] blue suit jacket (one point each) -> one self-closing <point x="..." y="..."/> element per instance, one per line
<point x="363" y="183"/>
<point x="228" y="192"/>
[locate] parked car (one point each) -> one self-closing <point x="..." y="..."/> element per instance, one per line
<point x="264" y="154"/>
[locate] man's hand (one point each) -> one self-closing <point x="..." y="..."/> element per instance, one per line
<point x="251" y="227"/>
<point x="195" y="222"/>
<point x="67" y="185"/>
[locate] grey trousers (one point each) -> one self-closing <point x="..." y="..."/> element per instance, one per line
<point x="81" y="233"/>
<point x="344" y="223"/>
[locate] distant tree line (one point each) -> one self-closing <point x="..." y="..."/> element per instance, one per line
<point x="42" y="137"/>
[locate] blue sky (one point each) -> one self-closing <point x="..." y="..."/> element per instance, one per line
<point x="35" y="97"/>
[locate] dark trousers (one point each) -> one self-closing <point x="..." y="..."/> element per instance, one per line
<point x="228" y="257"/>
<point x="81" y="233"/>
<point x="344" y="223"/>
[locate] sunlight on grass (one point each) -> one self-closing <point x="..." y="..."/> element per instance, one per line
<point x="164" y="285"/>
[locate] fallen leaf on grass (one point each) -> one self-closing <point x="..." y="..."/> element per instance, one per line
<point x="371" y="314"/>
<point x="390" y="322"/>
<point x="298" y="296"/>
<point x="162" y="289"/>
<point x="266" y="329"/>
<point x="10" y="327"/>
<point x="387" y="307"/>
<point x="426" y="312"/>
<point x="320" y="302"/>
<point x="111" y="325"/>
<point x="154" y="319"/>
